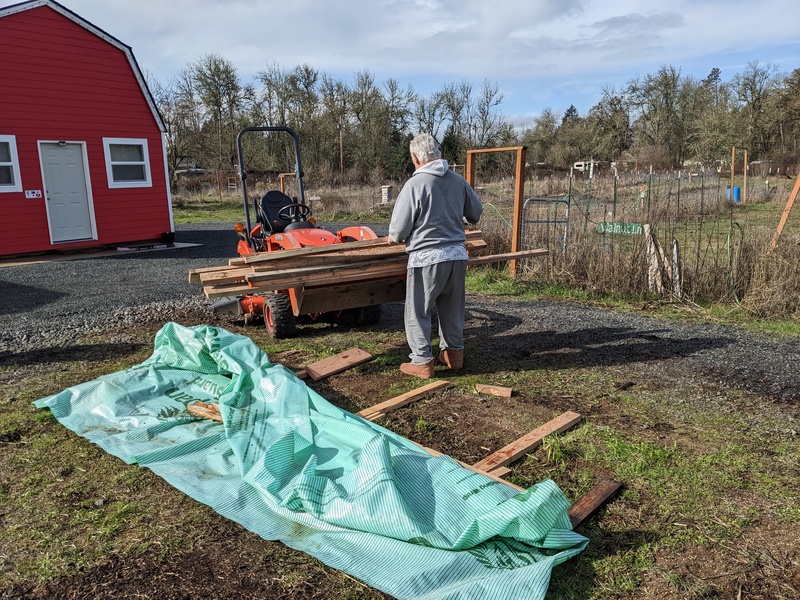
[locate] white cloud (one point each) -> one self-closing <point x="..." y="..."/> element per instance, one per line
<point x="545" y="53"/>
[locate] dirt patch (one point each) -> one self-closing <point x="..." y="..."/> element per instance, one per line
<point x="698" y="422"/>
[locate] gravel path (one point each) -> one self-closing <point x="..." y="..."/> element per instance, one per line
<point x="46" y="305"/>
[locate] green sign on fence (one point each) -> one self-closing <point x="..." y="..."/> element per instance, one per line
<point x="621" y="228"/>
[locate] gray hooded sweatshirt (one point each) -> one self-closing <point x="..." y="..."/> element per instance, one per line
<point x="430" y="208"/>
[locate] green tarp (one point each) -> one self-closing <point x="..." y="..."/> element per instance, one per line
<point x="290" y="466"/>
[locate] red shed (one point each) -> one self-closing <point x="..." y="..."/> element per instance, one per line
<point x="82" y="145"/>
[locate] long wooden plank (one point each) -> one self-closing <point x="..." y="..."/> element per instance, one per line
<point x="472" y="468"/>
<point x="785" y="216"/>
<point x="341" y="275"/>
<point x="237" y="269"/>
<point x="585" y="506"/>
<point x="311" y="250"/>
<point x="226" y="275"/>
<point x="493" y="258"/>
<point x="336" y="364"/>
<point x="383" y="408"/>
<point x="194" y="274"/>
<point x="333" y="271"/>
<point x="528" y="442"/>
<point x="308" y="272"/>
<point x="220" y="291"/>
<point x="326" y="260"/>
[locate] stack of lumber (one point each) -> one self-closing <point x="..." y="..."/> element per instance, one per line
<point x="322" y="266"/>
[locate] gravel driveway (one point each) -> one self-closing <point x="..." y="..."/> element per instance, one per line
<point x="45" y="305"/>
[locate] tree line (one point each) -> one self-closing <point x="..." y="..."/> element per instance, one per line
<point x="359" y="130"/>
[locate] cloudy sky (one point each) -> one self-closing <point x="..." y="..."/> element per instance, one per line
<point x="540" y="53"/>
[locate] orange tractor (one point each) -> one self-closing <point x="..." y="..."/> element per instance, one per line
<point x="283" y="223"/>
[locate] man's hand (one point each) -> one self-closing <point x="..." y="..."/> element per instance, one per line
<point x="390" y="242"/>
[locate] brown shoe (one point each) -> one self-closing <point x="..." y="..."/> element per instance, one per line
<point x="454" y="359"/>
<point x="422" y="371"/>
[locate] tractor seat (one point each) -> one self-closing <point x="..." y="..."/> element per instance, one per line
<point x="270" y="204"/>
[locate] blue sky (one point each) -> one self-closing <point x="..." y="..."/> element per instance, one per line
<point x="541" y="53"/>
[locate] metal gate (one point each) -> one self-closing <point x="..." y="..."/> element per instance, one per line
<point x="545" y="223"/>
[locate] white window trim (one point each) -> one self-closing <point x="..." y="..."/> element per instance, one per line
<point x="147" y="182"/>
<point x="17" y="186"/>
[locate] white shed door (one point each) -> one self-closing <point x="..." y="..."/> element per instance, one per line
<point x="69" y="211"/>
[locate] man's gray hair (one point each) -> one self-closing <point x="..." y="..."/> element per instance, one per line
<point x="425" y="148"/>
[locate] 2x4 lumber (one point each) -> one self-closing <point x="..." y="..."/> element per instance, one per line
<point x="587" y="504"/>
<point x="338" y="275"/>
<point x="472" y="468"/>
<point x="528" y="442"/>
<point x="357" y="259"/>
<point x="494" y="390"/>
<point x="581" y="510"/>
<point x="389" y="262"/>
<point x="493" y="258"/>
<point x="785" y="215"/>
<point x="321" y="278"/>
<point x="312" y="250"/>
<point x="310" y="266"/>
<point x="338" y="363"/>
<point x="476" y="234"/>
<point x="383" y="408"/>
<point x="237" y="269"/>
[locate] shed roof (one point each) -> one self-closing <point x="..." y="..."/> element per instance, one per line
<point x="63" y="10"/>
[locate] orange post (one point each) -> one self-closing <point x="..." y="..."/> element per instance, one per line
<point x="785" y="215"/>
<point x="519" y="192"/>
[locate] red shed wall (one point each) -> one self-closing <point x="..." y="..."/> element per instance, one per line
<point x="62" y="82"/>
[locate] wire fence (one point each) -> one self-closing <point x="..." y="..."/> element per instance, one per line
<point x="594" y="229"/>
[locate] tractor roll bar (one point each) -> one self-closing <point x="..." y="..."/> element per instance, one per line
<point x="298" y="168"/>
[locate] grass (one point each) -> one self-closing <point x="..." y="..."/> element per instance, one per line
<point x="712" y="486"/>
<point x="711" y="478"/>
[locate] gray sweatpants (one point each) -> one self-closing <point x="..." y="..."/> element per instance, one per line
<point x="440" y="285"/>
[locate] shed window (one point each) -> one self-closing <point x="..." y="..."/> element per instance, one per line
<point x="10" y="180"/>
<point x="127" y="162"/>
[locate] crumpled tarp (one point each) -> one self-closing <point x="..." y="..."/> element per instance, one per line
<point x="290" y="466"/>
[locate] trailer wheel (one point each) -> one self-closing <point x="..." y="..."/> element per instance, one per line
<point x="278" y="316"/>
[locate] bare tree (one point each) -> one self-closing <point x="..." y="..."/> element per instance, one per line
<point x="753" y="90"/>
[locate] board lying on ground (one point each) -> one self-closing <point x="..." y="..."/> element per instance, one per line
<point x="493" y="466"/>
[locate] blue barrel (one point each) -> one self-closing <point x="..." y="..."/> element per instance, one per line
<point x="737" y="194"/>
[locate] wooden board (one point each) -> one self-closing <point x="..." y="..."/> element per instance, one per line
<point x="334" y="248"/>
<point x="207" y="411"/>
<point x="392" y="263"/>
<point x="601" y="493"/>
<point x="380" y="410"/>
<point x="494" y="390"/>
<point x="341" y="254"/>
<point x="258" y="282"/>
<point x="528" y="442"/>
<point x="582" y="509"/>
<point x="351" y="295"/>
<point x="494" y="258"/>
<point x="336" y="364"/>
<point x="472" y="468"/>
<point x="500" y="471"/>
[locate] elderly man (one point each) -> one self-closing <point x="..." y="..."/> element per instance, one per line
<point x="429" y="217"/>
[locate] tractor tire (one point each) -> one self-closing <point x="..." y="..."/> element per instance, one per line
<point x="278" y="317"/>
<point x="367" y="315"/>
